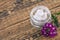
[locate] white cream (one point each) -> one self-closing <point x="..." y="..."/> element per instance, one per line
<point x="39" y="16"/>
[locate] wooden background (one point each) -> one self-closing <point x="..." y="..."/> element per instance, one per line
<point x="16" y="25"/>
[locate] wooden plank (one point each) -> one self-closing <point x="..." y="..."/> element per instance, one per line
<point x="22" y="25"/>
<point x="14" y="29"/>
<point x="6" y="5"/>
<point x="19" y="16"/>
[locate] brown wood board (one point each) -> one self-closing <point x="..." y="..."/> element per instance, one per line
<point x="16" y="26"/>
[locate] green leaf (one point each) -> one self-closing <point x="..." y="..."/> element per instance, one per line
<point x="55" y="20"/>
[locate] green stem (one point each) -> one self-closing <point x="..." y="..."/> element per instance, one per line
<point x="58" y="13"/>
<point x="55" y="20"/>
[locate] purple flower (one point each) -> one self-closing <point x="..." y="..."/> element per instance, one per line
<point x="49" y="30"/>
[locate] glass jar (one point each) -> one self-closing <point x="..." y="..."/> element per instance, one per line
<point x="39" y="16"/>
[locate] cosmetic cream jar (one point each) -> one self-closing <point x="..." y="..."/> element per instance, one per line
<point x="39" y="16"/>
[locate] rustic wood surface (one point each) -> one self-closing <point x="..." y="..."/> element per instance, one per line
<point x="16" y="25"/>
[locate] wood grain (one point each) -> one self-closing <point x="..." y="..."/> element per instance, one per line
<point x="17" y="25"/>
